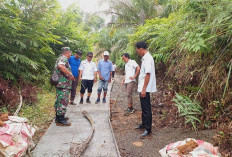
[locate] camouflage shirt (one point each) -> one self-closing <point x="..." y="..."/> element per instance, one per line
<point x="64" y="82"/>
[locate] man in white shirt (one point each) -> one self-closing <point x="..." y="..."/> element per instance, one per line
<point x="147" y="85"/>
<point x="131" y="72"/>
<point x="88" y="75"/>
<point x="114" y="69"/>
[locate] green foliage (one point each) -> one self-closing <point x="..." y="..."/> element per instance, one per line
<point x="42" y="112"/>
<point x="24" y="37"/>
<point x="134" y="12"/>
<point x="188" y="109"/>
<point x="195" y="43"/>
<point x="115" y="41"/>
<point x="32" y="33"/>
<point x="94" y="22"/>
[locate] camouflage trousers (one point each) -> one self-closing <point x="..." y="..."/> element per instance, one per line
<point x="62" y="100"/>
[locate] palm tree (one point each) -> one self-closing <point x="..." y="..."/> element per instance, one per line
<point x="134" y="12"/>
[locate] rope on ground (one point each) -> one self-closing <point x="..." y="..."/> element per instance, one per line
<point x="20" y="105"/>
<point x="76" y="149"/>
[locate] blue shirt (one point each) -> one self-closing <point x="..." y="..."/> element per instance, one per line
<point x="105" y="67"/>
<point x="74" y="63"/>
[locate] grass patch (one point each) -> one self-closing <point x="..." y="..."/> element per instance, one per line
<point x="42" y="112"/>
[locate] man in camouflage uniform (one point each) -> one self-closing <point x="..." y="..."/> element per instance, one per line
<point x="63" y="87"/>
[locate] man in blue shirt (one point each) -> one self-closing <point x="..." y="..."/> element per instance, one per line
<point x="74" y="62"/>
<point x="105" y="69"/>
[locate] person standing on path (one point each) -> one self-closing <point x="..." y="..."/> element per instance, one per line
<point x="74" y="62"/>
<point x="114" y="69"/>
<point x="87" y="76"/>
<point x="63" y="86"/>
<point x="146" y="85"/>
<point x="131" y="72"/>
<point x="105" y="68"/>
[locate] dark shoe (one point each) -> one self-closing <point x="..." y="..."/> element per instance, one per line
<point x="140" y="127"/>
<point x="129" y="111"/>
<point x="97" y="101"/>
<point x="145" y="133"/>
<point x="66" y="118"/>
<point x="81" y="102"/>
<point x="72" y="103"/>
<point x="62" y="122"/>
<point x="87" y="100"/>
<point x="104" y="100"/>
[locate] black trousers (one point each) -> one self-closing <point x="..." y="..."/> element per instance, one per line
<point x="74" y="88"/>
<point x="86" y="84"/>
<point x="146" y="111"/>
<point x="113" y="72"/>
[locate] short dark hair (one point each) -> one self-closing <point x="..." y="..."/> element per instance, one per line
<point x="141" y="44"/>
<point x="90" y="53"/>
<point x="78" y="52"/>
<point x="126" y="55"/>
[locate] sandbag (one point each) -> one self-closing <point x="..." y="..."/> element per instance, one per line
<point x="204" y="149"/>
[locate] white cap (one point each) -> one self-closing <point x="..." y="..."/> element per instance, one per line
<point x="106" y="53"/>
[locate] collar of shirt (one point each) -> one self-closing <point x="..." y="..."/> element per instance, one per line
<point x="145" y="56"/>
<point x="128" y="61"/>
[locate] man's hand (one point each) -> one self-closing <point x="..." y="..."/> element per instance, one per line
<point x="101" y="78"/>
<point x="80" y="79"/>
<point x="143" y="93"/>
<point x="122" y="82"/>
<point x="132" y="78"/>
<point x="109" y="80"/>
<point x="71" y="78"/>
<point x="95" y="80"/>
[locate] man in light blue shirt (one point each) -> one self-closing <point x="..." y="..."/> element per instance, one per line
<point x="105" y="69"/>
<point x="74" y="62"/>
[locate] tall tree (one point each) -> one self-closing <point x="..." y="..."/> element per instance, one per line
<point x="25" y="37"/>
<point x="134" y="12"/>
<point x="94" y="21"/>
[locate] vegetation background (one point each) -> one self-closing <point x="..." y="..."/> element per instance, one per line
<point x="190" y="40"/>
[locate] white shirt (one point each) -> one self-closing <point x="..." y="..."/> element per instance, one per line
<point x="130" y="69"/>
<point x="114" y="67"/>
<point x="148" y="66"/>
<point x="88" y="69"/>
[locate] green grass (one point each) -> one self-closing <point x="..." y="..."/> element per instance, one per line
<point x="42" y="112"/>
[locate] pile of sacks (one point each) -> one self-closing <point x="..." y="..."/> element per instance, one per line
<point x="190" y="148"/>
<point x="15" y="136"/>
<point x="3" y="118"/>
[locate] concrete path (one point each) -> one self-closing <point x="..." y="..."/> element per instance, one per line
<point x="57" y="140"/>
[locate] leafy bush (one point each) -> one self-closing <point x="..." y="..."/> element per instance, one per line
<point x="189" y="109"/>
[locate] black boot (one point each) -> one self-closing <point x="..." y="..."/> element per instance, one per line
<point x="56" y="119"/>
<point x="61" y="121"/>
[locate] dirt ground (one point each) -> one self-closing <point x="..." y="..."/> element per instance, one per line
<point x="167" y="127"/>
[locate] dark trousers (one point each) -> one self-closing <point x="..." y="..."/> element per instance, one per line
<point x="74" y="88"/>
<point x="146" y="111"/>
<point x="86" y="84"/>
<point x="113" y="72"/>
